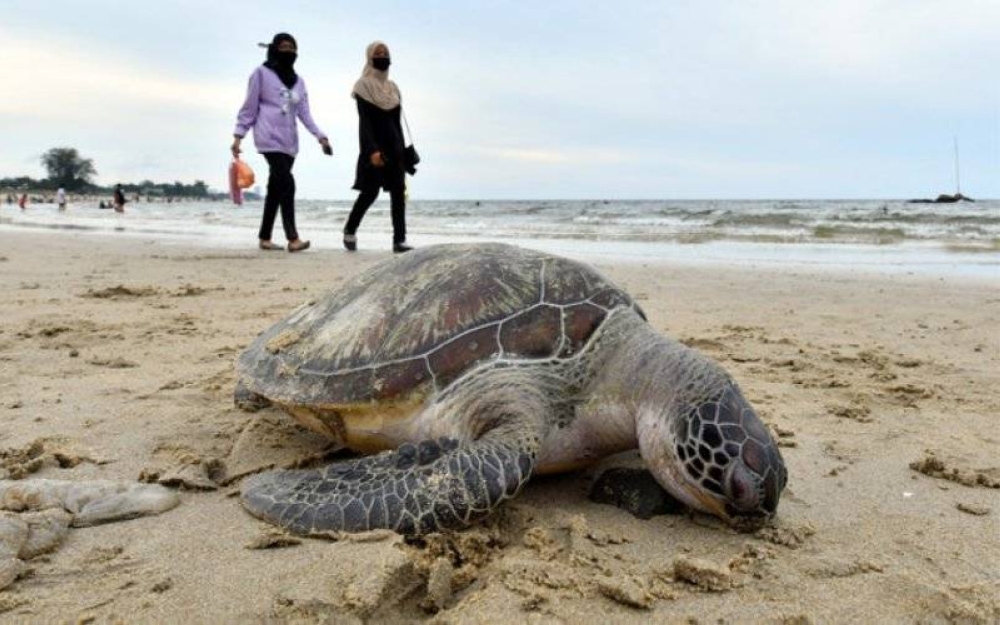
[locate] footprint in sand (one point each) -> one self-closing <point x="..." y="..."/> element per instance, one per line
<point x="112" y="363"/>
<point x="121" y="292"/>
<point x="17" y="463"/>
<point x="935" y="466"/>
<point x="855" y="412"/>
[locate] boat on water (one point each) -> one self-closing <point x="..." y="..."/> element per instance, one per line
<point x="948" y="198"/>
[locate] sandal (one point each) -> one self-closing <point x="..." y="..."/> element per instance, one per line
<point x="298" y="247"/>
<point x="267" y="245"/>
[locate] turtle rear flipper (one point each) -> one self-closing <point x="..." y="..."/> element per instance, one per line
<point x="416" y="489"/>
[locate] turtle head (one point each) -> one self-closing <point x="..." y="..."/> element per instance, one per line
<point x="716" y="456"/>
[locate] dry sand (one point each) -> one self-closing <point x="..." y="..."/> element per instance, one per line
<point x="116" y="362"/>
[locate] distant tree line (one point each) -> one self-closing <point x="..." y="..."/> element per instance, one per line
<point x="69" y="170"/>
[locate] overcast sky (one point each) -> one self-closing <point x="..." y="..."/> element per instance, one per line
<point x="531" y="99"/>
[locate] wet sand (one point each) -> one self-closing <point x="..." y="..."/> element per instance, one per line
<point x="116" y="362"/>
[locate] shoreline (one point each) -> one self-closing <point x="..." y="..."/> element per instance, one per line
<point x="929" y="260"/>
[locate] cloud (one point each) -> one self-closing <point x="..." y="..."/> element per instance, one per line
<point x="520" y="99"/>
<point x="61" y="81"/>
<point x="577" y="156"/>
<point x="881" y="48"/>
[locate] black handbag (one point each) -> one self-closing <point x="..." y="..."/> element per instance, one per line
<point x="410" y="156"/>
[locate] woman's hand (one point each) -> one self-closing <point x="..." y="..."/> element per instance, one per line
<point x="376" y="159"/>
<point x="325" y="145"/>
<point x="235" y="147"/>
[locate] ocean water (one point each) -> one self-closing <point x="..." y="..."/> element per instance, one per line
<point x="839" y="235"/>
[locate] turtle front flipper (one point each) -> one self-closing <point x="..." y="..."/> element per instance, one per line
<point x="416" y="489"/>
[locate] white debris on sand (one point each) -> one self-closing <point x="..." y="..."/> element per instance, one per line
<point x="50" y="507"/>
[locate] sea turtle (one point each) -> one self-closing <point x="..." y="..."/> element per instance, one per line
<point x="471" y="368"/>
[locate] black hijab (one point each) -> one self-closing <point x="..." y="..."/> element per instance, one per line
<point x="278" y="62"/>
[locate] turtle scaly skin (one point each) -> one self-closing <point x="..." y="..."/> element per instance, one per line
<point x="416" y="489"/>
<point x="471" y="368"/>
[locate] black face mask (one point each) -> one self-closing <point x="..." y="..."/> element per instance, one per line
<point x="286" y="58"/>
<point x="381" y="63"/>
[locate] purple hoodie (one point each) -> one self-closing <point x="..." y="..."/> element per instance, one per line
<point x="270" y="109"/>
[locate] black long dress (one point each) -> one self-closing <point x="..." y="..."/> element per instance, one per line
<point x="379" y="130"/>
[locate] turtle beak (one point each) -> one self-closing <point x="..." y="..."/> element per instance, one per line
<point x="693" y="496"/>
<point x="710" y="504"/>
<point x="750" y="501"/>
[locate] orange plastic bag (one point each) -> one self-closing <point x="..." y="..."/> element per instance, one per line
<point x="244" y="175"/>
<point x="240" y="177"/>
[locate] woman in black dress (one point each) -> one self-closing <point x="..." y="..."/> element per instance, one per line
<point x="380" y="163"/>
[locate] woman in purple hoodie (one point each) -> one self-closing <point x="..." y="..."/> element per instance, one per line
<point x="276" y="98"/>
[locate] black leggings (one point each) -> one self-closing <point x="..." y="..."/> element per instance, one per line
<point x="397" y="199"/>
<point x="280" y="192"/>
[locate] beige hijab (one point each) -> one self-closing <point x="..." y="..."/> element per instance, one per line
<point x="374" y="86"/>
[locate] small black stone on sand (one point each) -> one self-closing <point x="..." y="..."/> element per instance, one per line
<point x="635" y="491"/>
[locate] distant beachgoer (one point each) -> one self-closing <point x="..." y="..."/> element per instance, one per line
<point x="101" y="204"/>
<point x="10" y="199"/>
<point x="23" y="201"/>
<point x="119" y="199"/>
<point x="380" y="163"/>
<point x="61" y="198"/>
<point x="276" y="98"/>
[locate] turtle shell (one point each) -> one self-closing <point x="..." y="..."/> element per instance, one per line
<point x="417" y="322"/>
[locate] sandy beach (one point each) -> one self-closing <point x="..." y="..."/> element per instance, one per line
<point x="116" y="362"/>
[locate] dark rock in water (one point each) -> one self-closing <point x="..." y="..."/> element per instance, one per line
<point x="635" y="491"/>
<point x="948" y="199"/>
<point x="944" y="198"/>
